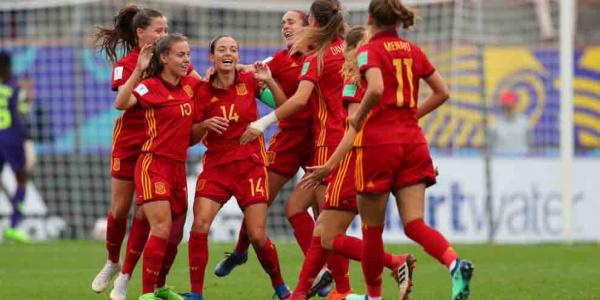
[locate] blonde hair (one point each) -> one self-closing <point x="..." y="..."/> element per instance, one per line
<point x="356" y="37"/>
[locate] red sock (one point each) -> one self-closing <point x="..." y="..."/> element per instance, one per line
<point x="115" y="233"/>
<point x="339" y="266"/>
<point x="243" y="242"/>
<point x="267" y="256"/>
<point x="171" y="252"/>
<point x="372" y="259"/>
<point x="313" y="262"/>
<point x="135" y="244"/>
<point x="431" y="240"/>
<point x="198" y="255"/>
<point x="303" y="225"/>
<point x="351" y="247"/>
<point x="154" y="253"/>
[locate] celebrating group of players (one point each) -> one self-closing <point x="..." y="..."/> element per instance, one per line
<point x="346" y="104"/>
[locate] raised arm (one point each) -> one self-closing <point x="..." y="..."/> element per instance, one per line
<point x="125" y="98"/>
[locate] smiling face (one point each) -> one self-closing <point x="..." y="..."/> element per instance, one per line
<point x="291" y="24"/>
<point x="225" y="55"/>
<point x="158" y="28"/>
<point x="177" y="60"/>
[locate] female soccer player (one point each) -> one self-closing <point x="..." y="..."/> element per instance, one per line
<point x="132" y="29"/>
<point x="232" y="169"/>
<point x="12" y="139"/>
<point x="290" y="149"/>
<point x="165" y="97"/>
<point x="392" y="152"/>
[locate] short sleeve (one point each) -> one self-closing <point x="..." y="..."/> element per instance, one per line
<point x="351" y="93"/>
<point x="310" y="70"/>
<point x="142" y="93"/>
<point x="120" y="75"/>
<point x="424" y="68"/>
<point x="367" y="58"/>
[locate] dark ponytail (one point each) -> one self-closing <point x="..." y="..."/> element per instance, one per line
<point x="123" y="32"/>
<point x="162" y="46"/>
<point x="391" y="13"/>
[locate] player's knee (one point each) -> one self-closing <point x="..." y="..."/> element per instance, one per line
<point x="200" y="225"/>
<point x="161" y="229"/>
<point x="327" y="241"/>
<point x="257" y="236"/>
<point x="291" y="209"/>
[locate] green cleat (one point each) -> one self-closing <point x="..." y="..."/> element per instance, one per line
<point x="167" y="293"/>
<point x="149" y="296"/>
<point x="461" y="278"/>
<point x="16" y="235"/>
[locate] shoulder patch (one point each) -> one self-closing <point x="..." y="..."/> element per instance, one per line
<point x="349" y="90"/>
<point x="141" y="89"/>
<point x="118" y="73"/>
<point x="363" y="58"/>
<point x="305" y="67"/>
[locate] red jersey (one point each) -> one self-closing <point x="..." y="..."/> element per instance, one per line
<point x="238" y="105"/>
<point x="402" y="64"/>
<point x="329" y="115"/>
<point x="285" y="70"/>
<point x="130" y="126"/>
<point x="168" y="115"/>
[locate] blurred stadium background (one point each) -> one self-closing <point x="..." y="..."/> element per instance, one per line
<point x="486" y="49"/>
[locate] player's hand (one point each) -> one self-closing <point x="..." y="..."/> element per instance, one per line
<point x="315" y="176"/>
<point x="216" y="124"/>
<point x="145" y="56"/>
<point x="209" y="72"/>
<point x="249" y="135"/>
<point x="261" y="71"/>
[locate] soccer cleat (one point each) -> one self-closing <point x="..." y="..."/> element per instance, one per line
<point x="322" y="285"/>
<point x="149" y="296"/>
<point x="167" y="293"/>
<point x="282" y="292"/>
<point x="16" y="235"/>
<point x="404" y="266"/>
<point x="335" y="295"/>
<point x="119" y="291"/>
<point x="232" y="260"/>
<point x="105" y="275"/>
<point x="192" y="296"/>
<point x="461" y="279"/>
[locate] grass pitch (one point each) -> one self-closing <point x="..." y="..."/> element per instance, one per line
<point x="65" y="269"/>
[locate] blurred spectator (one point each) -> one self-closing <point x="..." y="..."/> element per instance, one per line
<point x="509" y="134"/>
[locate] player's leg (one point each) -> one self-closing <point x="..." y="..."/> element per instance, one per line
<point x="410" y="202"/>
<point x="166" y="292"/>
<point x="205" y="210"/>
<point x="14" y="154"/>
<point x="296" y="211"/>
<point x="158" y="213"/>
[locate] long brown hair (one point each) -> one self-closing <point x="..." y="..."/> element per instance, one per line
<point x="123" y="31"/>
<point x="5" y="67"/>
<point x="162" y="46"/>
<point x="330" y="17"/>
<point x="391" y="13"/>
<point x="356" y="37"/>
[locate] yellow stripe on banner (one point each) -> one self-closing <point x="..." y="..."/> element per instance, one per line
<point x="466" y="80"/>
<point x="479" y="137"/>
<point x="466" y="97"/>
<point x="117" y="131"/>
<point x="587" y="121"/>
<point x="589" y="140"/>
<point x="587" y="103"/>
<point x="448" y="133"/>
<point x="435" y="121"/>
<point x="464" y="134"/>
<point x="587" y="85"/>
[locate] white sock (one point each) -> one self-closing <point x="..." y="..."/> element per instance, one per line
<point x="374" y="298"/>
<point x="452" y="265"/>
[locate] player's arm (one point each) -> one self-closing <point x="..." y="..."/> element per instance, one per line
<point x="372" y="96"/>
<point x="288" y="108"/>
<point x="317" y="173"/>
<point x="125" y="98"/>
<point x="200" y="130"/>
<point x="440" y="94"/>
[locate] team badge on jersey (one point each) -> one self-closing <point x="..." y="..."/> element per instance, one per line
<point x="116" y="164"/>
<point x="188" y="90"/>
<point x="200" y="185"/>
<point x="241" y="89"/>
<point x="305" y="67"/>
<point x="159" y="188"/>
<point x="118" y="73"/>
<point x="349" y="90"/>
<point x="141" y="89"/>
<point x="363" y="58"/>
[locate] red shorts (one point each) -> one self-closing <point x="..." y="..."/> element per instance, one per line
<point x="246" y="180"/>
<point x="341" y="190"/>
<point x="386" y="168"/>
<point x="289" y="150"/>
<point x="127" y="145"/>
<point x="158" y="179"/>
